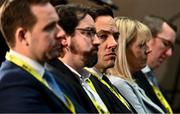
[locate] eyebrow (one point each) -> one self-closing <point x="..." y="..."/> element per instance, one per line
<point x="106" y="32"/>
<point x="103" y="31"/>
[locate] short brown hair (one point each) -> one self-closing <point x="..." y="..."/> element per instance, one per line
<point x="155" y="24"/>
<point x="16" y="13"/>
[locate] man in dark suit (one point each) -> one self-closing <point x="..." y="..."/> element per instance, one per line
<point x="161" y="44"/>
<point x="79" y="49"/>
<point x="108" y="33"/>
<point x="31" y="30"/>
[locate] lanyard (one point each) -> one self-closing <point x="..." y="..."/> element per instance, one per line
<point x="98" y="107"/>
<point x="109" y="87"/>
<point x="161" y="97"/>
<point x="30" y="70"/>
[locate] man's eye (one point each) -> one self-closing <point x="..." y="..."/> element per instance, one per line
<point x="103" y="36"/>
<point x="166" y="44"/>
<point x="89" y="33"/>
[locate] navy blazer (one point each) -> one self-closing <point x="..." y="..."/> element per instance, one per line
<point x="72" y="84"/>
<point x="21" y="92"/>
<point x="142" y="81"/>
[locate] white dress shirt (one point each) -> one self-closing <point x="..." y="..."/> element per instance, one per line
<point x="34" y="64"/>
<point x="83" y="76"/>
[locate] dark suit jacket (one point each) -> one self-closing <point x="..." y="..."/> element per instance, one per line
<point x="72" y="84"/>
<point x="113" y="104"/>
<point x="142" y="81"/>
<point x="21" y="92"/>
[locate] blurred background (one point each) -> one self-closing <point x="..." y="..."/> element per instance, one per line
<point x="169" y="73"/>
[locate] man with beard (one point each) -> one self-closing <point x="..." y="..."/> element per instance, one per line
<point x="79" y="49"/>
<point x="108" y="33"/>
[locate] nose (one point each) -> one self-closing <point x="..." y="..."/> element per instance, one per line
<point x="148" y="49"/>
<point x="168" y="52"/>
<point x="112" y="43"/>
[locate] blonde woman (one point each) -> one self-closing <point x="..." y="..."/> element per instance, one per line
<point x="131" y="56"/>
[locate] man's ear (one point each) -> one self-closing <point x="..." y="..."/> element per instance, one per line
<point x="21" y="36"/>
<point x="65" y="41"/>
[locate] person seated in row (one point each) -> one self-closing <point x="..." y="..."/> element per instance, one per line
<point x="107" y="31"/>
<point x="162" y="45"/>
<point x="132" y="56"/>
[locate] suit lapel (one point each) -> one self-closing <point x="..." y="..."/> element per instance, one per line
<point x="72" y="84"/>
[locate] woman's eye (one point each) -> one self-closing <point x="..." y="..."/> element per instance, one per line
<point x="142" y="45"/>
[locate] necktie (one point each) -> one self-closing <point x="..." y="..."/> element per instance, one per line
<point x="107" y="80"/>
<point x="53" y="85"/>
<point x="100" y="106"/>
<point x="152" y="78"/>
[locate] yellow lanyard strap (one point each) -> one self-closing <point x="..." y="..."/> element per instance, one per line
<point x="19" y="62"/>
<point x="98" y="107"/>
<point x="162" y="99"/>
<point x="110" y="88"/>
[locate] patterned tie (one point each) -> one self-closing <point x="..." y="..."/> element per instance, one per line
<point x="53" y="85"/>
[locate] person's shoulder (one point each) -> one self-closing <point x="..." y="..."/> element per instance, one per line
<point x="116" y="79"/>
<point x="119" y="82"/>
<point x="9" y="72"/>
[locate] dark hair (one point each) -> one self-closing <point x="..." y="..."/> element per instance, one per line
<point x="101" y="11"/>
<point x="70" y="16"/>
<point x="155" y="24"/>
<point x="58" y="2"/>
<point x="17" y="13"/>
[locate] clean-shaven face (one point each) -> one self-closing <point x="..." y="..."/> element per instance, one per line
<point x="108" y="33"/>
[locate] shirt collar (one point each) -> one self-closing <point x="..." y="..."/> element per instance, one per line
<point x="74" y="71"/>
<point x="82" y="74"/>
<point x="146" y="69"/>
<point x="85" y="74"/>
<point x="99" y="74"/>
<point x="35" y="65"/>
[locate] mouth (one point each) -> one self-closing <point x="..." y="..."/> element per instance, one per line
<point x="161" y="60"/>
<point x="111" y="55"/>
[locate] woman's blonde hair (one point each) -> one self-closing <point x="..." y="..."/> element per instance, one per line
<point x="128" y="29"/>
